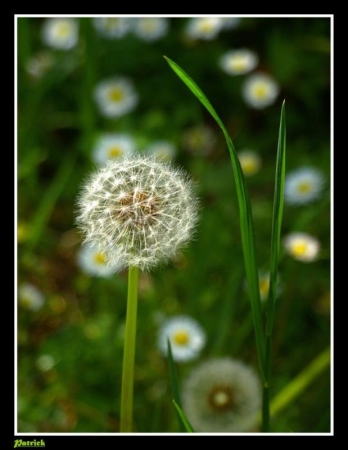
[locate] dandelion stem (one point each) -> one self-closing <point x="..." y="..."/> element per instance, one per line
<point x="129" y="352"/>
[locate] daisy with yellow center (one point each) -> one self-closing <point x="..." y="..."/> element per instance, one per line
<point x="302" y="246"/>
<point x="303" y="186"/>
<point x="113" y="146"/>
<point x="260" y="90"/>
<point x="60" y="33"/>
<point x="115" y="97"/>
<point x="205" y="28"/>
<point x="150" y="28"/>
<point x="239" y="62"/>
<point x="94" y="262"/>
<point x="30" y="297"/>
<point x="112" y="27"/>
<point x="250" y="162"/>
<point x="187" y="338"/>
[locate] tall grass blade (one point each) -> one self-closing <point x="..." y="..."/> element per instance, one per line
<point x="174" y="384"/>
<point x="183" y="418"/>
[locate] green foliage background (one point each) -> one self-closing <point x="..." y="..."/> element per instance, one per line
<point x="82" y="321"/>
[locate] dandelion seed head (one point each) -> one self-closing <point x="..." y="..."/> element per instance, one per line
<point x="152" y="210"/>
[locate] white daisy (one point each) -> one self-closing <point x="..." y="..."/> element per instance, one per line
<point x="260" y="90"/>
<point x="115" y="97"/>
<point x="186" y="337"/>
<point x="206" y="28"/>
<point x="112" y="27"/>
<point x="95" y="262"/>
<point x="30" y="297"/>
<point x="239" y="62"/>
<point x="303" y="186"/>
<point x="250" y="162"/>
<point x="162" y="150"/>
<point x="302" y="246"/>
<point x="150" y="28"/>
<point x="60" y="33"/>
<point x="113" y="146"/>
<point x="222" y="395"/>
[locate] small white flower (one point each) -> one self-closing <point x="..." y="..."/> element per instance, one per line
<point x="250" y="162"/>
<point x="260" y="90"/>
<point x="162" y="150"/>
<point x="95" y="262"/>
<point x="222" y="395"/>
<point x="60" y="33"/>
<point x="303" y="186"/>
<point x="39" y="64"/>
<point x="112" y="27"/>
<point x="239" y="62"/>
<point x="138" y="209"/>
<point x="186" y="337"/>
<point x="302" y="246"/>
<point x="206" y="28"/>
<point x="228" y="23"/>
<point x="112" y="147"/>
<point x="150" y="28"/>
<point x="115" y="97"/>
<point x="199" y="139"/>
<point x="30" y="297"/>
<point x="45" y="363"/>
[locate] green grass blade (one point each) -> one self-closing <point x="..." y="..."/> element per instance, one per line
<point x="183" y="418"/>
<point x="246" y="222"/>
<point x="174" y="383"/>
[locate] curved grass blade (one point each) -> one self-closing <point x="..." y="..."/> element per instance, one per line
<point x="186" y="423"/>
<point x="246" y="221"/>
<point x="174" y="383"/>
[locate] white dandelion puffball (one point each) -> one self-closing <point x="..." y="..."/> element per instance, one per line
<point x="222" y="395"/>
<point x="260" y="90"/>
<point x="112" y="27"/>
<point x="30" y="297"/>
<point x="60" y="33"/>
<point x="238" y="62"/>
<point x="302" y="246"/>
<point x="96" y="263"/>
<point x="186" y="336"/>
<point x="115" y="97"/>
<point x="205" y="28"/>
<point x="144" y="208"/>
<point x="303" y="186"/>
<point x="150" y="28"/>
<point x="112" y="147"/>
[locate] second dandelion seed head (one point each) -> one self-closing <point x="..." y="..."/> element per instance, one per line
<point x="143" y="208"/>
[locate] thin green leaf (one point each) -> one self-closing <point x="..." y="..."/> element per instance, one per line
<point x="174" y="382"/>
<point x="246" y="221"/>
<point x="186" y="423"/>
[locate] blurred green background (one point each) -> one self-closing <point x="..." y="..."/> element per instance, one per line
<point x="70" y="348"/>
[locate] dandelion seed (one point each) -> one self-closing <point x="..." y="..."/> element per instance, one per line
<point x="30" y="297"/>
<point x="222" y="395"/>
<point x="144" y="208"/>
<point x="60" y="33"/>
<point x="260" y="90"/>
<point x="150" y="28"/>
<point x="250" y="162"/>
<point x="302" y="246"/>
<point x="115" y="97"/>
<point x="303" y="186"/>
<point x="162" y="150"/>
<point x="239" y="62"/>
<point x="186" y="337"/>
<point x="112" y="27"/>
<point x="112" y="147"/>
<point x="205" y="28"/>
<point x="96" y="263"/>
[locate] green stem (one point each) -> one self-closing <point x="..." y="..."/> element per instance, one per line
<point x="129" y="353"/>
<point x="266" y="393"/>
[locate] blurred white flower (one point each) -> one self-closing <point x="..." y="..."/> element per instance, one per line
<point x="116" y="97"/>
<point x="30" y="297"/>
<point x="150" y="28"/>
<point x="250" y="162"/>
<point x="45" y="363"/>
<point x="39" y="64"/>
<point x="163" y="150"/>
<point x="205" y="28"/>
<point x="112" y="147"/>
<point x="302" y="246"/>
<point x="95" y="262"/>
<point x="260" y="90"/>
<point x="222" y="395"/>
<point x="144" y="208"/>
<point x="303" y="186"/>
<point x="60" y="33"/>
<point x="239" y="62"/>
<point x="112" y="27"/>
<point x="228" y="23"/>
<point x="186" y="337"/>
